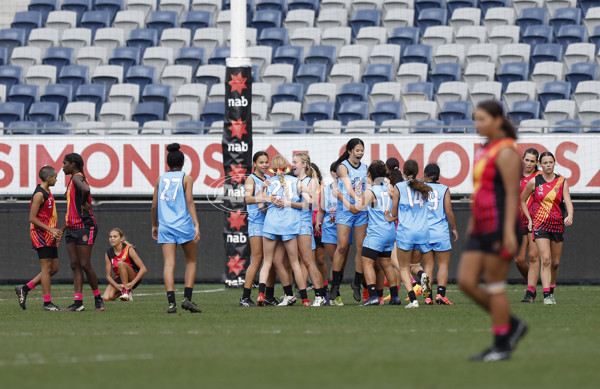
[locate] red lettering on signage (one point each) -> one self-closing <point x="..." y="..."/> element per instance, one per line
<point x="6" y="168"/>
<point x="273" y="152"/>
<point x="43" y="158"/>
<point x="595" y="181"/>
<point x="564" y="161"/>
<point x="193" y="156"/>
<point x="374" y="151"/>
<point x="451" y="147"/>
<point x="416" y="154"/>
<point x="24" y="164"/>
<point x="213" y="163"/>
<point x="131" y="157"/>
<point x="113" y="159"/>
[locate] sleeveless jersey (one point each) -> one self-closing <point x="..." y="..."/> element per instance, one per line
<point x="413" y="227"/>
<point x="523" y="184"/>
<point x="254" y="214"/>
<point x="172" y="207"/>
<point x="547" y="204"/>
<point x="487" y="205"/>
<point x="379" y="228"/>
<point x="122" y="256"/>
<point x="47" y="215"/>
<point x="76" y="218"/>
<point x="331" y="204"/>
<point x="358" y="179"/>
<point x="436" y="215"/>
<point x="286" y="220"/>
<point x="306" y="214"/>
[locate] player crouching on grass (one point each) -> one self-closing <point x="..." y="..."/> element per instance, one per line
<point x="122" y="259"/>
<point x="44" y="238"/>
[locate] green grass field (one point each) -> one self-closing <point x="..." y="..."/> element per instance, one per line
<point x="137" y="345"/>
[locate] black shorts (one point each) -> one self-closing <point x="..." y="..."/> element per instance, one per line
<point x="490" y="243"/>
<point x="373" y="254"/>
<point x="118" y="281"/>
<point x="84" y="236"/>
<point x="318" y="242"/>
<point x="47" y="252"/>
<point x="553" y="236"/>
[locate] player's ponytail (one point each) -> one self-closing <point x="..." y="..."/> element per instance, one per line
<point x="279" y="169"/>
<point x="308" y="167"/>
<point x="395" y="176"/>
<point x="411" y="169"/>
<point x="175" y="157"/>
<point x="495" y="110"/>
<point x="432" y="171"/>
<point x="352" y="143"/>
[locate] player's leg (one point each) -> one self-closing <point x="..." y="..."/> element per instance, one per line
<point x="341" y="253"/>
<point x="110" y="293"/>
<point x="84" y="252"/>
<point x="521" y="258"/>
<point x="429" y="263"/>
<point x="169" y="251"/>
<point x="469" y="274"/>
<point x="379" y="283"/>
<point x="443" y="260"/>
<point x="127" y="274"/>
<point x="321" y="263"/>
<point x="368" y="258"/>
<point x="556" y="248"/>
<point x="533" y="275"/>
<point x="404" y="259"/>
<point x="75" y="263"/>
<point x="545" y="251"/>
<point x="385" y="263"/>
<point x="256" y="248"/>
<point x="308" y="259"/>
<point x="291" y="249"/>
<point x="48" y="265"/>
<point x="330" y="250"/>
<point x="422" y="277"/>
<point x="360" y="232"/>
<point x="268" y="247"/>
<point x="190" y="251"/>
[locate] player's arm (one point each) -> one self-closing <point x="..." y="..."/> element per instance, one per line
<point x="320" y="212"/>
<point x="309" y="191"/>
<point x="359" y="206"/>
<point x="249" y="197"/>
<point x="528" y="191"/>
<point x="109" y="277"/>
<point x="154" y="211"/>
<point x="84" y="188"/>
<point x="343" y="175"/>
<point x="188" y="186"/>
<point x="450" y="214"/>
<point x="509" y="166"/>
<point x="36" y="203"/>
<point x="568" y="203"/>
<point x="138" y="261"/>
<point x="395" y="202"/>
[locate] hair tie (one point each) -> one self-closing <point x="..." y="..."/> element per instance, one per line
<point x="410" y="179"/>
<point x="284" y="170"/>
<point x="396" y="168"/>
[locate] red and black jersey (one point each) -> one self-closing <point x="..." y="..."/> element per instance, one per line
<point x="76" y="218"/>
<point x="47" y="215"/>
<point x="523" y="185"/>
<point x="547" y="206"/>
<point x="488" y="199"/>
<point x="122" y="256"/>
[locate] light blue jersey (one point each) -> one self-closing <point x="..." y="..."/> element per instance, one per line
<point x="436" y="216"/>
<point x="306" y="214"/>
<point x="285" y="221"/>
<point x="381" y="234"/>
<point x="175" y="223"/>
<point x="255" y="216"/>
<point x="413" y="228"/>
<point x="358" y="180"/>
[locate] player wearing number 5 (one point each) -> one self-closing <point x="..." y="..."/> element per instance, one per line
<point x="174" y="221"/>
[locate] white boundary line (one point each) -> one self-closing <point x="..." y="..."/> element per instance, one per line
<point x="135" y="294"/>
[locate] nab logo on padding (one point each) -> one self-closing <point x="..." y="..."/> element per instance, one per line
<point x="237" y="84"/>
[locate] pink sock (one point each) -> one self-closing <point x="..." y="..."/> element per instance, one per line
<point x="531" y="288"/>
<point x="325" y="283"/>
<point x="501" y="329"/>
<point x="47" y="298"/>
<point x="413" y="279"/>
<point x="547" y="290"/>
<point x="96" y="292"/>
<point x="78" y="296"/>
<point x="31" y="285"/>
<point x="552" y="286"/>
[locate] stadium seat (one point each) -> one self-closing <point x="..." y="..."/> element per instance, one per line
<point x="333" y="127"/>
<point x="395" y="127"/>
<point x="58" y="57"/>
<point x="586" y="90"/>
<point x="303" y="4"/>
<point x="558" y="110"/>
<point x="364" y="18"/>
<point x="212" y="112"/>
<point x="318" y="111"/>
<point x="191" y="127"/>
<point x="27" y="21"/>
<point x="461" y="127"/>
<point x="336" y="36"/>
<point x="176" y="75"/>
<point x="157" y="127"/>
<point x="108" y="75"/>
<point x="299" y="18"/>
<point x="571" y="34"/>
<point x="208" y="38"/>
<point x="56" y="128"/>
<point x="554" y="90"/>
<point x="276" y="74"/>
<point x="306" y="37"/>
<point x="568" y="126"/>
<point x="371" y="37"/>
<point x="288" y="92"/>
<point x="545" y="52"/>
<point x="42" y="38"/>
<point x="194" y="20"/>
<point x="579" y="52"/>
<point x="484" y="52"/>
<point x="25" y="57"/>
<point x="512" y="71"/>
<point x="261" y="56"/>
<point x="10" y="75"/>
<point x="589" y="111"/>
<point x="161" y="20"/>
<point x="114" y="112"/>
<point x="273" y="37"/>
<point x="366" y="127"/>
<point x="437" y="35"/>
<point x="353" y="54"/>
<point x="322" y="54"/>
<point x="344" y="73"/>
<point x="24" y="127"/>
<point x="545" y="72"/>
<point x="386" y="110"/>
<point x="594" y="127"/>
<point x="467" y="16"/>
<point x="125" y="127"/>
<point x="515" y="52"/>
<point x="223" y="22"/>
<point x="41" y="75"/>
<point x="429" y="126"/>
<point x="320" y="91"/>
<point x="351" y="92"/>
<point x="412" y="72"/>
<point x="191" y="56"/>
<point x="43" y="112"/>
<point x="470" y="36"/>
<point x="385" y="54"/>
<point x="499" y="15"/>
<point x="61" y="20"/>
<point x="259" y="110"/>
<point x="582" y="71"/>
<point x="110" y="6"/>
<point x="90" y="128"/>
<point x="353" y="110"/>
<point x="291" y="127"/>
<point x="91" y="93"/>
<point x="532" y="17"/>
<point x="453" y="53"/>
<point x="191" y="93"/>
<point x="285" y="111"/>
<point x="74" y="75"/>
<point x="404" y="36"/>
<point x="11" y="112"/>
<point x="109" y="38"/>
<point x="25" y="94"/>
<point x="455" y="110"/>
<point x="77" y="6"/>
<point x="126" y="94"/>
<point x="60" y="94"/>
<point x="95" y="20"/>
<point x="328" y="18"/>
<point x="147" y="111"/>
<point x="180" y="7"/>
<point x="143" y="38"/>
<point x="11" y="38"/>
<point x="565" y="17"/>
<point x="266" y="19"/>
<point x="445" y="72"/>
<point x="417" y="53"/>
<point x="378" y="73"/>
<point x="44" y="7"/>
<point x="80" y="111"/>
<point x="592" y="19"/>
<point x="451" y="91"/>
<point x="431" y="17"/>
<point x="519" y="91"/>
<point x="537" y="35"/>
<point x="524" y="110"/>
<point x="140" y="75"/>
<point x="76" y="38"/>
<point x="145" y="6"/>
<point x="158" y="93"/>
<point x="385" y="91"/>
<point x="479" y="72"/>
<point x="535" y="126"/>
<point x="175" y="38"/>
<point x="292" y="55"/>
<point x="503" y="35"/>
<point x="261" y="92"/>
<point x="92" y="57"/>
<point x="158" y="57"/>
<point x="219" y="56"/>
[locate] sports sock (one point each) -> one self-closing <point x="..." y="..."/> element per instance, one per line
<point x="501" y="335"/>
<point x="412" y="296"/>
<point x="420" y="274"/>
<point x="394" y="291"/>
<point x="288" y="290"/>
<point x="414" y="282"/>
<point x="270" y="291"/>
<point x="358" y="277"/>
<point x="552" y="288"/>
<point x="379" y="292"/>
<point x="78" y="299"/>
<point x="262" y="288"/>
<point x="303" y="294"/>
<point x="171" y="297"/>
<point x="246" y="293"/>
<point x="324" y="291"/>
<point x="187" y="293"/>
<point x="441" y="291"/>
<point x="96" y="292"/>
<point x="30" y="286"/>
<point x="47" y="298"/>
<point x="325" y="283"/>
<point x="372" y="290"/>
<point x="546" y="292"/>
<point x="531" y="288"/>
<point x="337" y="278"/>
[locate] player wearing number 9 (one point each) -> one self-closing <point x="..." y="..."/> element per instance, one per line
<point x="174" y="221"/>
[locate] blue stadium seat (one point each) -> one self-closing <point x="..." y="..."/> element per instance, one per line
<point x="194" y="20"/>
<point x="74" y="75"/>
<point x="595" y="37"/>
<point x="305" y="4"/>
<point x="570" y="126"/>
<point x="77" y="6"/>
<point x="453" y="5"/>
<point x="531" y="17"/>
<point x="594" y="129"/>
<point x="44" y="7"/>
<point x="378" y="72"/>
<point x="352" y="92"/>
<point x="213" y="112"/>
<point x="110" y="6"/>
<point x="26" y="94"/>
<point x="292" y="127"/>
<point x="404" y="37"/>
<point x="23" y="127"/>
<point x="274" y="5"/>
<point x="322" y="110"/>
<point x="161" y="20"/>
<point x="565" y="17"/>
<point x="43" y="112"/>
<point x="291" y="55"/>
<point x="273" y="37"/>
<point x="582" y="71"/>
<point x="512" y="71"/>
<point x="143" y="38"/>
<point x="455" y="110"/>
<point x="310" y="73"/>
<point x="190" y="127"/>
<point x="417" y="53"/>
<point x="353" y="110"/>
<point x="192" y="56"/>
<point x="158" y="93"/>
<point x="219" y="56"/>
<point x="147" y="111"/>
<point x="93" y="93"/>
<point x="467" y="124"/>
<point x="256" y="73"/>
<point x="430" y="126"/>
<point x="524" y="110"/>
<point x="420" y="5"/>
<point x="62" y="94"/>
<point x="554" y="90"/>
<point x="27" y="20"/>
<point x="56" y="128"/>
<point x="95" y="20"/>
<point x="322" y="54"/>
<point x="288" y="92"/>
<point x="11" y="75"/>
<point x="364" y="18"/>
<point x="3" y="56"/>
<point x="58" y="57"/>
<point x="537" y="35"/>
<point x="126" y="57"/>
<point x="425" y="88"/>
<point x="140" y="75"/>
<point x="546" y="52"/>
<point x="432" y="17"/>
<point x="266" y="19"/>
<point x="386" y="110"/>
<point x="11" y="38"/>
<point x="585" y="5"/>
<point x="487" y="4"/>
<point x="445" y="72"/>
<point x="571" y="34"/>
